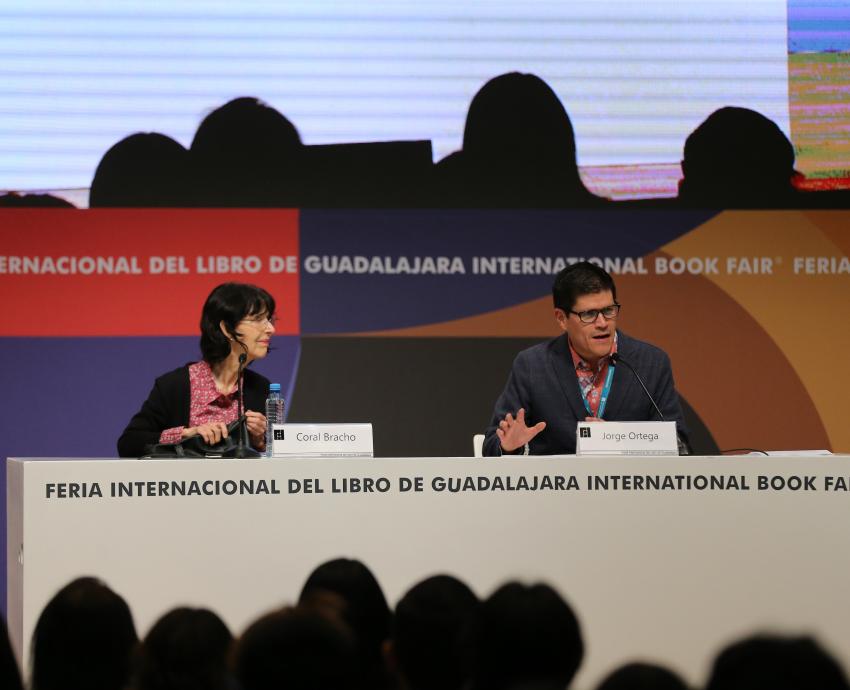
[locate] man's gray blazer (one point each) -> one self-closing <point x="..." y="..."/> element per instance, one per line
<point x="543" y="381"/>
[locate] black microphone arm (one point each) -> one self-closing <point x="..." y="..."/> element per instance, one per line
<point x="680" y="442"/>
<point x="617" y="359"/>
<point x="243" y="447"/>
<point x="243" y="428"/>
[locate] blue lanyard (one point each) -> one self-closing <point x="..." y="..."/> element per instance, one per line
<point x="605" y="390"/>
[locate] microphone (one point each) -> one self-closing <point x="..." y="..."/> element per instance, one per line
<point x="616" y="358"/>
<point x="243" y="448"/>
<point x="243" y="429"/>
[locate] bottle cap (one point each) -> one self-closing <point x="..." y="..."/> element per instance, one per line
<point x="274" y="387"/>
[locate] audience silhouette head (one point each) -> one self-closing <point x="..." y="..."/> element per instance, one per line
<point x="15" y="200"/>
<point x="362" y="606"/>
<point x="737" y="158"/>
<point x="186" y="649"/>
<point x="520" y="638"/>
<point x="525" y="636"/>
<point x="641" y="676"/>
<point x="142" y="170"/>
<point x="771" y="662"/>
<point x="427" y="634"/>
<point x="519" y="146"/>
<point x="246" y="153"/>
<point x="296" y="649"/>
<point x="518" y="118"/>
<point x="10" y="675"/>
<point x="83" y="639"/>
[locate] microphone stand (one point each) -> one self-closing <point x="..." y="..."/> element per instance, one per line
<point x="243" y="448"/>
<point x="684" y="449"/>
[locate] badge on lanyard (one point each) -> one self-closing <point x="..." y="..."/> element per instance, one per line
<point x="603" y="399"/>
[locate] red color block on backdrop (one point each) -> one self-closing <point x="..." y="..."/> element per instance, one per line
<point x="138" y="272"/>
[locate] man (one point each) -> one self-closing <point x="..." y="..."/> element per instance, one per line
<point x="572" y="378"/>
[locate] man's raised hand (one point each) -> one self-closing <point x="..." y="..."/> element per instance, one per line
<point x="513" y="433"/>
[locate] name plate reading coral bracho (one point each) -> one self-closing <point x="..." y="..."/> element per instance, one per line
<point x="322" y="440"/>
<point x="626" y="438"/>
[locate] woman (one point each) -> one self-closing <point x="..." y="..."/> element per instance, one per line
<point x="200" y="399"/>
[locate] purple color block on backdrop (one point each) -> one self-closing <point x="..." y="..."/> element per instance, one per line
<point x="72" y="397"/>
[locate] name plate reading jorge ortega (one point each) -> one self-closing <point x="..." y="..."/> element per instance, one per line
<point x="626" y="438"/>
<point x="322" y="440"/>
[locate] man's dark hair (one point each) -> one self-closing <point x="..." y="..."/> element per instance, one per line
<point x="582" y="278"/>
<point x="640" y="676"/>
<point x="427" y="633"/>
<point x="525" y="635"/>
<point x="230" y="303"/>
<point x="83" y="640"/>
<point x="186" y="649"/>
<point x="296" y="649"/>
<point x="772" y="662"/>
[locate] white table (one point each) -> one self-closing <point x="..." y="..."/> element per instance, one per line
<point x="667" y="575"/>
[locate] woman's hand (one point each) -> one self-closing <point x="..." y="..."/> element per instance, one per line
<point x="212" y="433"/>
<point x="256" y="428"/>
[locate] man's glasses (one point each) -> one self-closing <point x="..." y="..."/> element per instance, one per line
<point x="590" y="315"/>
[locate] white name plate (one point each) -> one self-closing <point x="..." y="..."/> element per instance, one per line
<point x="626" y="438"/>
<point x="322" y="440"/>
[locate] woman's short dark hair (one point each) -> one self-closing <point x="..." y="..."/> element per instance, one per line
<point x="229" y="303"/>
<point x="83" y="640"/>
<point x="582" y="278"/>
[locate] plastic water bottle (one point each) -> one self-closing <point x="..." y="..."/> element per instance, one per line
<point x="275" y="406"/>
